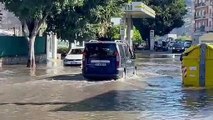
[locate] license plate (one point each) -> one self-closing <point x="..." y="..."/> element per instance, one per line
<point x="73" y="62"/>
<point x="100" y="64"/>
<point x="100" y="61"/>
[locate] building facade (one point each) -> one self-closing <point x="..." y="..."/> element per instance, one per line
<point x="203" y="17"/>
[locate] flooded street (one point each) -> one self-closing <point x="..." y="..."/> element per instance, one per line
<point x="61" y="93"/>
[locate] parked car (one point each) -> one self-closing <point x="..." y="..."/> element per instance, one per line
<point x="178" y="47"/>
<point x="157" y="46"/>
<point x="74" y="56"/>
<point x="187" y="44"/>
<point x="161" y="46"/>
<point x="140" y="47"/>
<point x="165" y="46"/>
<point x="108" y="60"/>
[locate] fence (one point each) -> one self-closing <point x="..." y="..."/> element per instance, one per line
<point x="17" y="46"/>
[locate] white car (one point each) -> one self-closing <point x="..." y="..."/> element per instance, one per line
<point x="74" y="57"/>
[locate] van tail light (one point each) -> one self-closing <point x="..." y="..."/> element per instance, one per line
<point x="84" y="58"/>
<point x="117" y="59"/>
<point x="84" y="55"/>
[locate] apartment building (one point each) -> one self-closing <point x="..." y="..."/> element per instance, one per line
<point x="203" y="16"/>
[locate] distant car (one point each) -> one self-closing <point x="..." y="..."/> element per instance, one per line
<point x="178" y="47"/>
<point x="108" y="60"/>
<point x="140" y="47"/>
<point x="74" y="57"/>
<point x="157" y="46"/>
<point x="161" y="46"/>
<point x="187" y="44"/>
<point x="165" y="46"/>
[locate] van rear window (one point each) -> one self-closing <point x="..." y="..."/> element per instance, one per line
<point x="100" y="50"/>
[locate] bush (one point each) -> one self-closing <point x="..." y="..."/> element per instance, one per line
<point x="63" y="51"/>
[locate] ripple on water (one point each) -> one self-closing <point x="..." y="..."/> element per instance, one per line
<point x="164" y="99"/>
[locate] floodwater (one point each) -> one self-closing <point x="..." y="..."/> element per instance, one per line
<point x="61" y="93"/>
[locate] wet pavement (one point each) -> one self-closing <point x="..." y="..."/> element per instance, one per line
<point x="61" y="93"/>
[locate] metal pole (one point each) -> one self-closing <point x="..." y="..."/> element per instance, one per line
<point x="123" y="28"/>
<point x="203" y="48"/>
<point x="129" y="32"/>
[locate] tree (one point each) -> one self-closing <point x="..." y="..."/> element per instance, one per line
<point x="104" y="13"/>
<point x="74" y="22"/>
<point x="137" y="36"/>
<point x="90" y="20"/>
<point x="185" y="37"/>
<point x="169" y="15"/>
<point x="32" y="15"/>
<point x="115" y="32"/>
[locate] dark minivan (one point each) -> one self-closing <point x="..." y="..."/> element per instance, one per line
<point x="108" y="60"/>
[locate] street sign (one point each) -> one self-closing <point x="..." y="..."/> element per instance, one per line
<point x="128" y="7"/>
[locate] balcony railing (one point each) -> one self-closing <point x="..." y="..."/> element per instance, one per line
<point x="200" y="4"/>
<point x="200" y="17"/>
<point x="202" y="29"/>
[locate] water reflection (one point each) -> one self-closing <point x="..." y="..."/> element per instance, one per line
<point x="197" y="99"/>
<point x="165" y="98"/>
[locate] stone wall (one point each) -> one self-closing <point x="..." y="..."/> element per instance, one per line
<point x="22" y="60"/>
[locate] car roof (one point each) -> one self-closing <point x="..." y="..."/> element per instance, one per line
<point x="114" y="42"/>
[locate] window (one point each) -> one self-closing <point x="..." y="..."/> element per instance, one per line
<point x="199" y="25"/>
<point x="100" y="50"/>
<point x="127" y="52"/>
<point x="203" y="12"/>
<point x="121" y="51"/>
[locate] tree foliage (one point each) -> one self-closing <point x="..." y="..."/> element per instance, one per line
<point x="33" y="14"/>
<point x="137" y="36"/>
<point x="169" y="15"/>
<point x="115" y="32"/>
<point x="86" y="21"/>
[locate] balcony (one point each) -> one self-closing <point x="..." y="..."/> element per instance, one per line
<point x="202" y="29"/>
<point x="200" y="17"/>
<point x="200" y="5"/>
